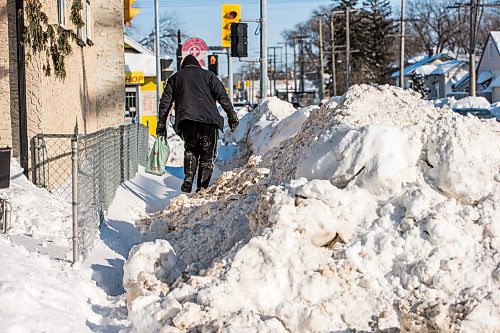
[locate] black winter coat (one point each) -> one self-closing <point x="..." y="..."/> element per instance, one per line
<point x="194" y="92"/>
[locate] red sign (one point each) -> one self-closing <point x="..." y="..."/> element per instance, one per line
<point x="197" y="48"/>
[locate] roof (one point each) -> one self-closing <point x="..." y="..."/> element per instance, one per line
<point x="483" y="77"/>
<point x="447" y="66"/>
<point x="495" y="36"/>
<point x="136" y="46"/>
<point x="495" y="83"/>
<point x="410" y="70"/>
<point x="142" y="60"/>
<point x="462" y="81"/>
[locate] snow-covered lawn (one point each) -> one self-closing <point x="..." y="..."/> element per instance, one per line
<point x="377" y="211"/>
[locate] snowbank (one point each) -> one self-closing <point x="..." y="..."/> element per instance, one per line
<point x="271" y="123"/>
<point x="42" y="295"/>
<point x="472" y="102"/>
<point x="382" y="212"/>
<point x="35" y="211"/>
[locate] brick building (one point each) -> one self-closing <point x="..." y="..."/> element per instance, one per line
<point x="92" y="93"/>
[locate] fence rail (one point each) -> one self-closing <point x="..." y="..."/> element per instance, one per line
<point x="86" y="170"/>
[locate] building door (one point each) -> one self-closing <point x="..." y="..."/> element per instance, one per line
<point x="131" y="104"/>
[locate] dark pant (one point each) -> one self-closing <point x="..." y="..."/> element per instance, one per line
<point x="200" y="150"/>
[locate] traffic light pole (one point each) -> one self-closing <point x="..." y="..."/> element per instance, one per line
<point x="263" y="49"/>
<point x="321" y="73"/>
<point x="402" y="48"/>
<point x="229" y="74"/>
<point x="157" y="49"/>
<point x="348" y="49"/>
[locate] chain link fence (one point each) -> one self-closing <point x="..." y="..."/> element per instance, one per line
<point x="86" y="170"/>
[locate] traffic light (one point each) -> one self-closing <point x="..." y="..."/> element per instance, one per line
<point x="129" y="12"/>
<point x="230" y="14"/>
<point x="239" y="40"/>
<point x="165" y="71"/>
<point x="213" y="64"/>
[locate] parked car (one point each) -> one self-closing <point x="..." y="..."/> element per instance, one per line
<point x="478" y="112"/>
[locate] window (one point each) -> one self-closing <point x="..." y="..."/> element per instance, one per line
<point x="490" y="50"/>
<point x="88" y="24"/>
<point x="131" y="104"/>
<point x="61" y="13"/>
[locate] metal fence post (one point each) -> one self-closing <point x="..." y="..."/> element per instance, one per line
<point x="74" y="194"/>
<point x="36" y="150"/>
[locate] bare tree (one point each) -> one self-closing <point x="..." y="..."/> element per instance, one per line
<point x="169" y="25"/>
<point x="433" y="27"/>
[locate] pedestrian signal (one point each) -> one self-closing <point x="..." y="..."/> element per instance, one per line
<point x="231" y="13"/>
<point x="213" y="64"/>
<point x="239" y="40"/>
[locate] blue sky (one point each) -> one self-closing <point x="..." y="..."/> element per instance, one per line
<point x="202" y="18"/>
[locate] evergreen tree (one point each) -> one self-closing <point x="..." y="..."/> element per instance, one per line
<point x="355" y="38"/>
<point x="419" y="85"/>
<point x="376" y="46"/>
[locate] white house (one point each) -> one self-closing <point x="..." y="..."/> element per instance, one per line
<point x="441" y="73"/>
<point x="410" y="70"/>
<point x="441" y="78"/>
<point x="488" y="69"/>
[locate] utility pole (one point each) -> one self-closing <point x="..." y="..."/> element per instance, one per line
<point x="332" y="42"/>
<point x="321" y="73"/>
<point x="179" y="50"/>
<point x="301" y="64"/>
<point x="402" y="47"/>
<point x="473" y="6"/>
<point x="286" y="68"/>
<point x="229" y="74"/>
<point x="348" y="49"/>
<point x="472" y="46"/>
<point x="274" y="71"/>
<point x="157" y="49"/>
<point x="263" y="49"/>
<point x="273" y="65"/>
<point x="294" y="65"/>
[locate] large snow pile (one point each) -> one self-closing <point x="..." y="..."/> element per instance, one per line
<point x="35" y="211"/>
<point x="271" y="123"/>
<point x="382" y="212"/>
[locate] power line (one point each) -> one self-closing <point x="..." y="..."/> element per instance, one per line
<point x="178" y="3"/>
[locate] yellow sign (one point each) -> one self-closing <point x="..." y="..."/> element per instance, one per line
<point x="247" y="83"/>
<point x="134" y="77"/>
<point x="231" y="13"/>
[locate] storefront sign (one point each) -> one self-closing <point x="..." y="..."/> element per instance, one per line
<point x="134" y="77"/>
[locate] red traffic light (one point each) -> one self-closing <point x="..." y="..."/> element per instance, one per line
<point x="232" y="15"/>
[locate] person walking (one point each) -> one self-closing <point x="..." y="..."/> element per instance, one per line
<point x="194" y="91"/>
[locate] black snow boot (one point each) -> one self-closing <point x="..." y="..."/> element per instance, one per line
<point x="187" y="186"/>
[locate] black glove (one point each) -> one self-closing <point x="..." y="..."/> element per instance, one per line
<point x="233" y="121"/>
<point x="161" y="129"/>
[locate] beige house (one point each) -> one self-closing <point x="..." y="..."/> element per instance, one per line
<point x="91" y="94"/>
